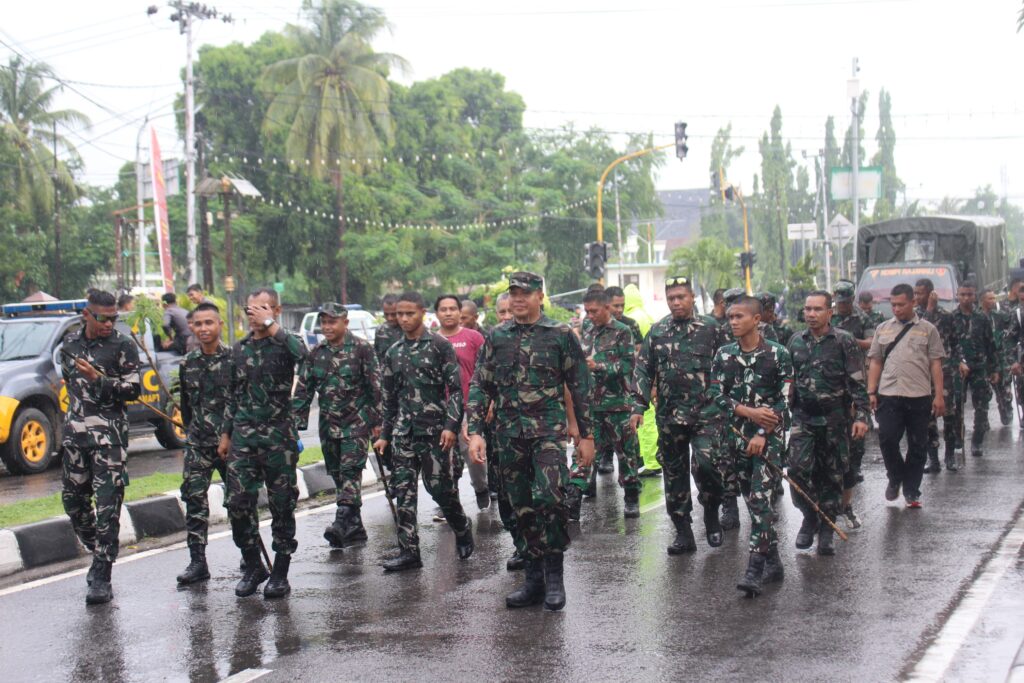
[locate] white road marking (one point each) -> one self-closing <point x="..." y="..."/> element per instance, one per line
<point x="246" y="675"/>
<point x="936" y="660"/>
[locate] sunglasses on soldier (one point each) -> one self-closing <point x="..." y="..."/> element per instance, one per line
<point x="100" y="318"/>
<point x="679" y="281"/>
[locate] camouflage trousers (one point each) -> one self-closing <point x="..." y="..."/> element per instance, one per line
<point x="612" y="434"/>
<point x="94" y="471"/>
<point x="533" y="478"/>
<point x="1003" y="391"/>
<point x="708" y="467"/>
<point x="200" y="464"/>
<point x="950" y="390"/>
<point x="508" y="518"/>
<point x="758" y="483"/>
<point x="818" y="459"/>
<point x="249" y="468"/>
<point x="981" y="394"/>
<point x="345" y="460"/>
<point x="414" y="454"/>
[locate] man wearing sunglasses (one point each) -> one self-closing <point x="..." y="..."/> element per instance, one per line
<point x="100" y="367"/>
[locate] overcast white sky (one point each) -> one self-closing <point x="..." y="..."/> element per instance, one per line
<point x="953" y="68"/>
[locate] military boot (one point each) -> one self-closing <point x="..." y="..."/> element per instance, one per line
<point x="554" y="587"/>
<point x="515" y="563"/>
<point x="91" y="575"/>
<point x="278" y="586"/>
<point x="684" y="542"/>
<point x="253" y="575"/>
<point x="826" y="541"/>
<point x="532" y="590"/>
<point x="335" y="533"/>
<point x="712" y="527"/>
<point x="631" y="507"/>
<point x="773" y="570"/>
<point x="354" y="529"/>
<point x="591" y="489"/>
<point x="573" y="502"/>
<point x="976" y="445"/>
<point x="933" y="466"/>
<point x="464" y="541"/>
<point x="197" y="570"/>
<point x="606" y="465"/>
<point x="407" y="559"/>
<point x="730" y="514"/>
<point x="752" y="579"/>
<point x="951" y="463"/>
<point x="100" y="591"/>
<point x="809" y="527"/>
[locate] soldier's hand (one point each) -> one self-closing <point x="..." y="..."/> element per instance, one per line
<point x="764" y="417"/>
<point x="756" y="445"/>
<point x="477" y="449"/>
<point x="636" y="422"/>
<point x="859" y="430"/>
<point x="938" y="406"/>
<point x="86" y="370"/>
<point x="381" y="445"/>
<point x="964" y="370"/>
<point x="224" y="447"/>
<point x="585" y="452"/>
<point x="573" y="432"/>
<point x="1015" y="369"/>
<point x="994" y="379"/>
<point x="873" y="402"/>
<point x="448" y="439"/>
<point x="375" y="432"/>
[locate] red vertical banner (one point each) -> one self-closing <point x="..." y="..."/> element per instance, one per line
<point x="163" y="228"/>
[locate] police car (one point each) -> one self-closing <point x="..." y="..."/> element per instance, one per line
<point x="32" y="394"/>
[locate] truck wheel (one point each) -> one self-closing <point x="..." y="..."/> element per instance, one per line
<point x="170" y="436"/>
<point x="29" y="449"/>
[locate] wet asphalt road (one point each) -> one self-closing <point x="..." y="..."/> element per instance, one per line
<point x="633" y="612"/>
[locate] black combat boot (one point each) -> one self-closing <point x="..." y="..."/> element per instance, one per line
<point x="335" y="533"/>
<point x="573" y="502"/>
<point x="532" y="590"/>
<point x="933" y="466"/>
<point x="354" y="529"/>
<point x="809" y="527"/>
<point x="712" y="527"/>
<point x="464" y="541"/>
<point x="826" y="540"/>
<point x="976" y="445"/>
<point x="91" y="575"/>
<point x="773" y="570"/>
<point x="515" y="563"/>
<point x="554" y="587"/>
<point x="751" y="582"/>
<point x="607" y="465"/>
<point x="100" y="591"/>
<point x="253" y="575"/>
<point x="278" y="586"/>
<point x="197" y="570"/>
<point x="591" y="489"/>
<point x="631" y="507"/>
<point x="730" y="514"/>
<point x="951" y="464"/>
<point x="683" y="542"/>
<point x="407" y="559"/>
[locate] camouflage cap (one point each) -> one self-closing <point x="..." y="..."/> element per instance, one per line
<point x="843" y="291"/>
<point x="767" y="299"/>
<point x="333" y="310"/>
<point x="731" y="295"/>
<point x="524" y="279"/>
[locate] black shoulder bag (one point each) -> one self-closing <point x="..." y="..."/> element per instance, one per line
<point x="892" y="345"/>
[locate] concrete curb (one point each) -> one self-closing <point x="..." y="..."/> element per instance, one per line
<point x="53" y="540"/>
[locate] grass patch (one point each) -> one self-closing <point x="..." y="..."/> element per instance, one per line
<point x="38" y="509"/>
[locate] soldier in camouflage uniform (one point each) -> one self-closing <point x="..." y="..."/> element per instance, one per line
<point x="100" y="368"/>
<point x="850" y="319"/>
<point x="772" y="328"/>
<point x="608" y="345"/>
<point x="979" y="364"/>
<point x="866" y="304"/>
<point x="342" y="370"/>
<point x="1000" y="332"/>
<point x="422" y="416"/>
<point x="205" y="379"/>
<point x="730" y="508"/>
<point x="828" y="386"/>
<point x="927" y="307"/>
<point x="1013" y="383"/>
<point x="386" y="335"/>
<point x="606" y="456"/>
<point x="675" y="360"/>
<point x="524" y="370"/>
<point x="1014" y="344"/>
<point x="261" y="444"/>
<point x="750" y="386"/>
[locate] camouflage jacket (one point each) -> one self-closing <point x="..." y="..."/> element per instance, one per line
<point x="634" y="329"/>
<point x="385" y="336"/>
<point x="828" y="377"/>
<point x="612" y="350"/>
<point x="758" y="378"/>
<point x="857" y="324"/>
<point x="260" y="410"/>
<point x="422" y="387"/>
<point x="205" y="384"/>
<point x="943" y="321"/>
<point x="874" y="318"/>
<point x="975" y="341"/>
<point x="675" y="359"/>
<point x="768" y="332"/>
<point x="783" y="332"/>
<point x="525" y="369"/>
<point x="347" y="380"/>
<point x="1013" y="341"/>
<point x="1001" y="337"/>
<point x="96" y="410"/>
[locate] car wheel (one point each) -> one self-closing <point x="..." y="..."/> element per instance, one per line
<point x="171" y="436"/>
<point x="30" y="447"/>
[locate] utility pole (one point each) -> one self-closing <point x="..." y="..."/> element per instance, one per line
<point x="853" y="89"/>
<point x="823" y="188"/>
<point x="140" y="203"/>
<point x="58" y="266"/>
<point x="618" y="224"/>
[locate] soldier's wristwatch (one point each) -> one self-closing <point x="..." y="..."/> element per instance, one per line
<point x="761" y="432"/>
<point x="268" y="322"/>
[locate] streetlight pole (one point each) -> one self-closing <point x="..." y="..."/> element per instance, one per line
<point x="853" y="90"/>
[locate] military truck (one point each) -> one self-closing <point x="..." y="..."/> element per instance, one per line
<point x="33" y="397"/>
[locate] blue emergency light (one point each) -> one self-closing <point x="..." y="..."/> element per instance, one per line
<point x="44" y="307"/>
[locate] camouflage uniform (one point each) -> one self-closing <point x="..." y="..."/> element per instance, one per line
<point x="205" y="382"/>
<point x="758" y="378"/>
<point x="828" y="383"/>
<point x="874" y="318"/>
<point x="348" y="383"/>
<point x="523" y="369"/>
<point x="977" y="347"/>
<point x="95" y="437"/>
<point x="951" y="382"/>
<point x="858" y="326"/>
<point x="264" y="443"/>
<point x="1001" y="320"/>
<point x="676" y="359"/>
<point x="611" y="348"/>
<point x="1013" y="343"/>
<point x="634" y="329"/>
<point x="422" y="398"/>
<point x="386" y="335"/>
<point x="505" y="513"/>
<point x="606" y="450"/>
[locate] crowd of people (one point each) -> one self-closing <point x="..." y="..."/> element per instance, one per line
<point x="739" y="400"/>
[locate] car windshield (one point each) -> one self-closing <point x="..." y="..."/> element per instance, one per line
<point x="24" y="339"/>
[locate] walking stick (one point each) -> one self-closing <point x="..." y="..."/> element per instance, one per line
<point x="387" y="488"/>
<point x="152" y="364"/>
<point x="263" y="549"/>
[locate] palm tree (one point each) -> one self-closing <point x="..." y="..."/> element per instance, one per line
<point x="711" y="263"/>
<point x="333" y="100"/>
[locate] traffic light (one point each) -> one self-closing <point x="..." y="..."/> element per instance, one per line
<point x="681" y="148"/>
<point x="586" y="257"/>
<point x="747" y="259"/>
<point x="595" y="257"/>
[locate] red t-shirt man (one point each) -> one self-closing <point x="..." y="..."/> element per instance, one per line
<point x="467" y="344"/>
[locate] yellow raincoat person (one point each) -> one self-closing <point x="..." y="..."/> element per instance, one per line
<point x="648" y="433"/>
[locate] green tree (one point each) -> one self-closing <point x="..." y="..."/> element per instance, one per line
<point x="720" y="219"/>
<point x="772" y="205"/>
<point x="885" y="157"/>
<point x="711" y="263"/>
